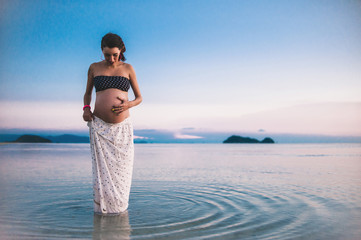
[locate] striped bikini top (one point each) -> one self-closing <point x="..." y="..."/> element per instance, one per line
<point x="104" y="82"/>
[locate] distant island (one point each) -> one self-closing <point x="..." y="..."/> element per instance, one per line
<point x="65" y="138"/>
<point x="32" y="139"/>
<point x="68" y="138"/>
<point x="239" y="139"/>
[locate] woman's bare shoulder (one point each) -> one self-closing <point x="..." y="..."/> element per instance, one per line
<point x="96" y="64"/>
<point x="128" y="66"/>
<point x="96" y="67"/>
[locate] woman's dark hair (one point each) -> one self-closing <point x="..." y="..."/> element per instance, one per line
<point x="112" y="40"/>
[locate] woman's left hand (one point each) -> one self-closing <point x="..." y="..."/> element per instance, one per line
<point x="121" y="107"/>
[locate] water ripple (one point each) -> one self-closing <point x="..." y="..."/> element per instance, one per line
<point x="225" y="212"/>
<point x="172" y="210"/>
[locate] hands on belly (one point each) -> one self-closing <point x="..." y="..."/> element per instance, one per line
<point x="123" y="105"/>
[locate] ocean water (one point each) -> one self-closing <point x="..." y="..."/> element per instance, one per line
<point x="186" y="191"/>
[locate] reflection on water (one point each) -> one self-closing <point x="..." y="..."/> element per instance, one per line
<point x="111" y="227"/>
<point x="305" y="191"/>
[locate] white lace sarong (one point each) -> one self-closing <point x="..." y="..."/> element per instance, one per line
<point x="112" y="150"/>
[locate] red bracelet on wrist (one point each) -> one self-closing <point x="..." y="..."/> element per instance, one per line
<point x="86" y="107"/>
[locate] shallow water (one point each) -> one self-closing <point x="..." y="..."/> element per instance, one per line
<point x="194" y="191"/>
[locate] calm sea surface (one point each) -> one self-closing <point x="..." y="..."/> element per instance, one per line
<point x="191" y="191"/>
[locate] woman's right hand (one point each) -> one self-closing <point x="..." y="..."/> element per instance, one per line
<point x="87" y="115"/>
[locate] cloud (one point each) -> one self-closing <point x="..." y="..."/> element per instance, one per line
<point x="42" y="115"/>
<point x="139" y="137"/>
<point x="318" y="118"/>
<point x="186" y="136"/>
<point x="335" y="118"/>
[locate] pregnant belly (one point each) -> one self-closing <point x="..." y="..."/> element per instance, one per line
<point x="105" y="100"/>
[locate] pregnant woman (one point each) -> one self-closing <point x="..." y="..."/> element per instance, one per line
<point x="110" y="127"/>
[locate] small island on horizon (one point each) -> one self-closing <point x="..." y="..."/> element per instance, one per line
<point x="32" y="139"/>
<point x="65" y="138"/>
<point x="239" y="139"/>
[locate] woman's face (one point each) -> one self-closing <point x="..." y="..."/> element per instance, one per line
<point x="111" y="55"/>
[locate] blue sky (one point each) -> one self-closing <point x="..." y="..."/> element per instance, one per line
<point x="200" y="64"/>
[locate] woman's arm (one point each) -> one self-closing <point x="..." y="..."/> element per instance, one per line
<point x="87" y="114"/>
<point x="125" y="105"/>
<point x="135" y="87"/>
